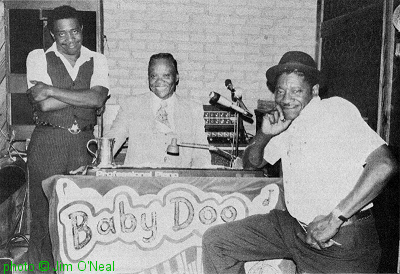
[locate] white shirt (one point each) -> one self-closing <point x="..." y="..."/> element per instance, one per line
<point x="36" y="66"/>
<point x="323" y="152"/>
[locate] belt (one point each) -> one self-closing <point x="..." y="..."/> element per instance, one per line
<point x="74" y="129"/>
<point x="359" y="216"/>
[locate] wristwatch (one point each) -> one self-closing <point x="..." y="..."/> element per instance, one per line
<point x="338" y="214"/>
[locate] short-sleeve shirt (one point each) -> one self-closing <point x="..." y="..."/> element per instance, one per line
<point x="36" y="65"/>
<point x="323" y="153"/>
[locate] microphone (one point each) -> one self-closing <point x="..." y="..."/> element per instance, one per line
<point x="236" y="94"/>
<point x="229" y="85"/>
<point x="216" y="98"/>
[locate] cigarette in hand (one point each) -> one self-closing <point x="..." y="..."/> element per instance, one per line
<point x="334" y="242"/>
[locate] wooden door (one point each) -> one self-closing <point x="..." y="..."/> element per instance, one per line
<point x="351" y="42"/>
<point x="356" y="55"/>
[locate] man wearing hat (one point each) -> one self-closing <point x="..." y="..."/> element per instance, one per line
<point x="333" y="166"/>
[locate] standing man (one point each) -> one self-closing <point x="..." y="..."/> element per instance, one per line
<point x="67" y="84"/>
<point x="152" y="119"/>
<point x="333" y="166"/>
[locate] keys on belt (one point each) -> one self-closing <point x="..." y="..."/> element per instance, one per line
<point x="74" y="129"/>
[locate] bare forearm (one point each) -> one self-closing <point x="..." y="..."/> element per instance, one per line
<point x="50" y="104"/>
<point x="380" y="167"/>
<point x="91" y="98"/>
<point x="253" y="156"/>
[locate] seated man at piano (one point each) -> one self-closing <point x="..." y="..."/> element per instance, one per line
<point x="151" y="120"/>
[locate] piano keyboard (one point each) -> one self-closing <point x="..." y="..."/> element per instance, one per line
<point x="172" y="172"/>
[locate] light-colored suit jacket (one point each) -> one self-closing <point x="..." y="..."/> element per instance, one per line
<point x="147" y="145"/>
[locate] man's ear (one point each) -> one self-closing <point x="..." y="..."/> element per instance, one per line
<point x="52" y="35"/>
<point x="315" y="90"/>
<point x="177" y="79"/>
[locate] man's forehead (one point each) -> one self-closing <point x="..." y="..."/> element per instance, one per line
<point x="66" y="24"/>
<point x="290" y="78"/>
<point x="162" y="63"/>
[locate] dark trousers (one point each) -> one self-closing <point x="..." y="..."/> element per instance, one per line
<point x="51" y="151"/>
<point x="228" y="246"/>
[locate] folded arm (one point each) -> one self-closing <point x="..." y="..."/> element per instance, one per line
<point x="47" y="97"/>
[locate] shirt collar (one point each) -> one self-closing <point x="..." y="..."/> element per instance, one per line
<point x="308" y="111"/>
<point x="313" y="104"/>
<point x="156" y="101"/>
<point x="85" y="53"/>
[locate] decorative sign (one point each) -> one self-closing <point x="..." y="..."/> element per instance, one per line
<point x="124" y="232"/>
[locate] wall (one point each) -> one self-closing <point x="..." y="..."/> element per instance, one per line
<point x="212" y="40"/>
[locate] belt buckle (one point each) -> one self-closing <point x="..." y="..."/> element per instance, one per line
<point x="74" y="129"/>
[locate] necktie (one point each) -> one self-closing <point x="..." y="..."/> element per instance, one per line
<point x="162" y="115"/>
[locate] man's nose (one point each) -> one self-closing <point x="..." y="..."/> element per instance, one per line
<point x="287" y="97"/>
<point x="70" y="36"/>
<point x="159" y="79"/>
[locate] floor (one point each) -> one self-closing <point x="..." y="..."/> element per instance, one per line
<point x="15" y="258"/>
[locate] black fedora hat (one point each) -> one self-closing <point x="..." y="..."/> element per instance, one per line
<point x="294" y="60"/>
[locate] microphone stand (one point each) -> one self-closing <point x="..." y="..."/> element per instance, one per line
<point x="235" y="143"/>
<point x="238" y="125"/>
